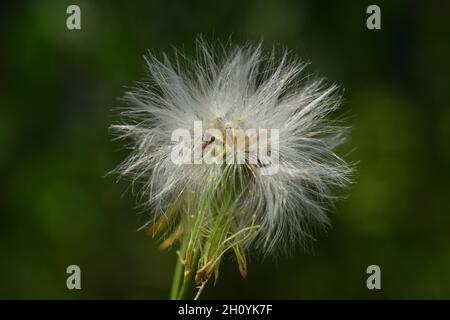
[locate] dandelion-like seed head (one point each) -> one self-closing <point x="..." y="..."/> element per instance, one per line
<point x="260" y="108"/>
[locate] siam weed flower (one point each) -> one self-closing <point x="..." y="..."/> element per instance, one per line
<point x="233" y="150"/>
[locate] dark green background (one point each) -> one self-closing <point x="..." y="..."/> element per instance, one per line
<point x="57" y="88"/>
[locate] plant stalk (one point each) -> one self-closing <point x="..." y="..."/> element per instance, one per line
<point x="187" y="281"/>
<point x="178" y="274"/>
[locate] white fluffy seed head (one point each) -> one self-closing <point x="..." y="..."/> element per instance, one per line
<point x="239" y="83"/>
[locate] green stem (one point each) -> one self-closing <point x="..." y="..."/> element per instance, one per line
<point x="178" y="274"/>
<point x="187" y="281"/>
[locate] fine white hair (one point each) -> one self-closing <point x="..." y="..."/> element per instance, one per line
<point x="262" y="90"/>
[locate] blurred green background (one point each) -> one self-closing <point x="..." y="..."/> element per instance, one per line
<point x="57" y="91"/>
